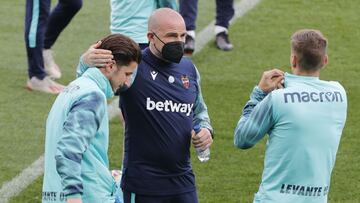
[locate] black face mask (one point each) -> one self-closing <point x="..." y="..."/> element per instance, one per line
<point x="172" y="51"/>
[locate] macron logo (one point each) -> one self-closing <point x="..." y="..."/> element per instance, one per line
<point x="299" y="97"/>
<point x="168" y="106"/>
<point x="153" y="74"/>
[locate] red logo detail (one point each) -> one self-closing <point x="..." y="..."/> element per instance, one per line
<point x="185" y="81"/>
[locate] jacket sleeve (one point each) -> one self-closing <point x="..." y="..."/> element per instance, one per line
<point x="81" y="125"/>
<point x="256" y="120"/>
<point x="201" y="116"/>
<point x="81" y="68"/>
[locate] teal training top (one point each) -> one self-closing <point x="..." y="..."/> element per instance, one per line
<point x="304" y="122"/>
<point x="130" y="17"/>
<point x="76" y="144"/>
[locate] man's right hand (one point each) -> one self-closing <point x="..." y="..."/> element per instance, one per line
<point x="271" y="80"/>
<point x="97" y="57"/>
<point x="74" y="200"/>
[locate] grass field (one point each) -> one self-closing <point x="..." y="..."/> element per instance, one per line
<point x="261" y="40"/>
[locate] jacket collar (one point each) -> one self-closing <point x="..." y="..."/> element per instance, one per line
<point x="290" y="78"/>
<point x="101" y="81"/>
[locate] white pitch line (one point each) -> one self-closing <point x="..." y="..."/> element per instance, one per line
<point x="36" y="169"/>
<point x="21" y="181"/>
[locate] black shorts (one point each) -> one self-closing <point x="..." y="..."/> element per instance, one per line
<point x="189" y="197"/>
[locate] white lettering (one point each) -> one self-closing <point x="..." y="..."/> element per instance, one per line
<point x="159" y="106"/>
<point x="166" y="103"/>
<point x="189" y="109"/>
<point x="175" y="107"/>
<point x="150" y="105"/>
<point x="169" y="106"/>
<point x="183" y="108"/>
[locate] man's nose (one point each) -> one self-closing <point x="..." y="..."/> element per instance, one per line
<point x="180" y="38"/>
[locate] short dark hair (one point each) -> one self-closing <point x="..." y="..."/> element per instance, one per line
<point x="124" y="49"/>
<point x="310" y="47"/>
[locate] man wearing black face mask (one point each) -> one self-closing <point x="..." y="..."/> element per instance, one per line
<point x="160" y="109"/>
<point x="171" y="51"/>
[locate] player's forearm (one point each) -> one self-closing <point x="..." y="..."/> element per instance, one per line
<point x="81" y="68"/>
<point x="79" y="128"/>
<point x="253" y="123"/>
<point x="244" y="134"/>
<point x="202" y="119"/>
<point x="70" y="173"/>
<point x="201" y="115"/>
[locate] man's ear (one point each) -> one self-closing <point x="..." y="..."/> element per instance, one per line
<point x="293" y="61"/>
<point x="150" y="36"/>
<point x="326" y="59"/>
<point x="110" y="66"/>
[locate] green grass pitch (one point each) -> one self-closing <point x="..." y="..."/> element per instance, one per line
<point x="261" y="40"/>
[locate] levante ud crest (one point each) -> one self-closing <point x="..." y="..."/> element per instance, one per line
<point x="185" y="81"/>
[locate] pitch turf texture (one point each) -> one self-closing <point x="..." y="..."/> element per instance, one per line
<point x="261" y="40"/>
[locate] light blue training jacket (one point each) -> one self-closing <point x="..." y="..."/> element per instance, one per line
<point x="76" y="145"/>
<point x="130" y="17"/>
<point x="304" y="122"/>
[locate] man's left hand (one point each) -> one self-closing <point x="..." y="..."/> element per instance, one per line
<point x="203" y="139"/>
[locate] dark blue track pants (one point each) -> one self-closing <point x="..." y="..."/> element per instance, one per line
<point x="224" y="12"/>
<point x="42" y="28"/>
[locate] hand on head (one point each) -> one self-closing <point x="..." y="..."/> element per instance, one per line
<point x="95" y="57"/>
<point x="271" y="80"/>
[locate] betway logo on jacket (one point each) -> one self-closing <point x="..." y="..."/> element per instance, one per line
<point x="299" y="97"/>
<point x="168" y="106"/>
